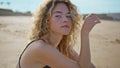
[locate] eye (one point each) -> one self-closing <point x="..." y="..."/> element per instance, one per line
<point x="68" y="16"/>
<point x="58" y="16"/>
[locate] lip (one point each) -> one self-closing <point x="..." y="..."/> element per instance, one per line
<point x="66" y="26"/>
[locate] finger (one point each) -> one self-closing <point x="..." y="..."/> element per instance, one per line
<point x="97" y="21"/>
<point x="95" y="18"/>
<point x="88" y="16"/>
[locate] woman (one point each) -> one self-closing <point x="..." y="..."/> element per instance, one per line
<point x="54" y="35"/>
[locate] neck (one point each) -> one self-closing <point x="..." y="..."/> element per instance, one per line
<point x="54" y="39"/>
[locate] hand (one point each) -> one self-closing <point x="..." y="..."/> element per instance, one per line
<point x="89" y="23"/>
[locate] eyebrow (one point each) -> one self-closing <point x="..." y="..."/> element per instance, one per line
<point x="60" y="12"/>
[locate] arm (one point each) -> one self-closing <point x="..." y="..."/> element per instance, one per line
<point x="85" y="56"/>
<point x="76" y="58"/>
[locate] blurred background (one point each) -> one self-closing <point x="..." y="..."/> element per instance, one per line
<point x="16" y="22"/>
<point x="105" y="8"/>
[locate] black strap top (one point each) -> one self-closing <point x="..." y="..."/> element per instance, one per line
<point x="24" y="51"/>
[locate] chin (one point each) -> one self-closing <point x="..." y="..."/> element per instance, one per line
<point x="65" y="33"/>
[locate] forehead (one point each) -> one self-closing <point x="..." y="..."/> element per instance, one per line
<point x="61" y="7"/>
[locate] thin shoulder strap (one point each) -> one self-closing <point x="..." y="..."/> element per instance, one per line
<point x="23" y="52"/>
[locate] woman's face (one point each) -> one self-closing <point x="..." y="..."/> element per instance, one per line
<point x="60" y="20"/>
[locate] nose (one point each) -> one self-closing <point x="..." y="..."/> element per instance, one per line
<point x="65" y="19"/>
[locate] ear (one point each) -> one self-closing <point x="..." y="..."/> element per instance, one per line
<point x="48" y="20"/>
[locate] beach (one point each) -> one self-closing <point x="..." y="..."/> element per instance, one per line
<point x="104" y="41"/>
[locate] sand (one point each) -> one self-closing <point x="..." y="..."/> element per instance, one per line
<point x="104" y="41"/>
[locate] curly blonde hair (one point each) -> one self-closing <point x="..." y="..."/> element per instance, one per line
<point x="41" y="25"/>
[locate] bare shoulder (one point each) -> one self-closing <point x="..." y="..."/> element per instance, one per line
<point x="41" y="50"/>
<point x="41" y="46"/>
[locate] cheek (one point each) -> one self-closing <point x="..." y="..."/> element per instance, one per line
<point x="71" y="24"/>
<point x="54" y="24"/>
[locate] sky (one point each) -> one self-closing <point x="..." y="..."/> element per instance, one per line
<point x="84" y="6"/>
